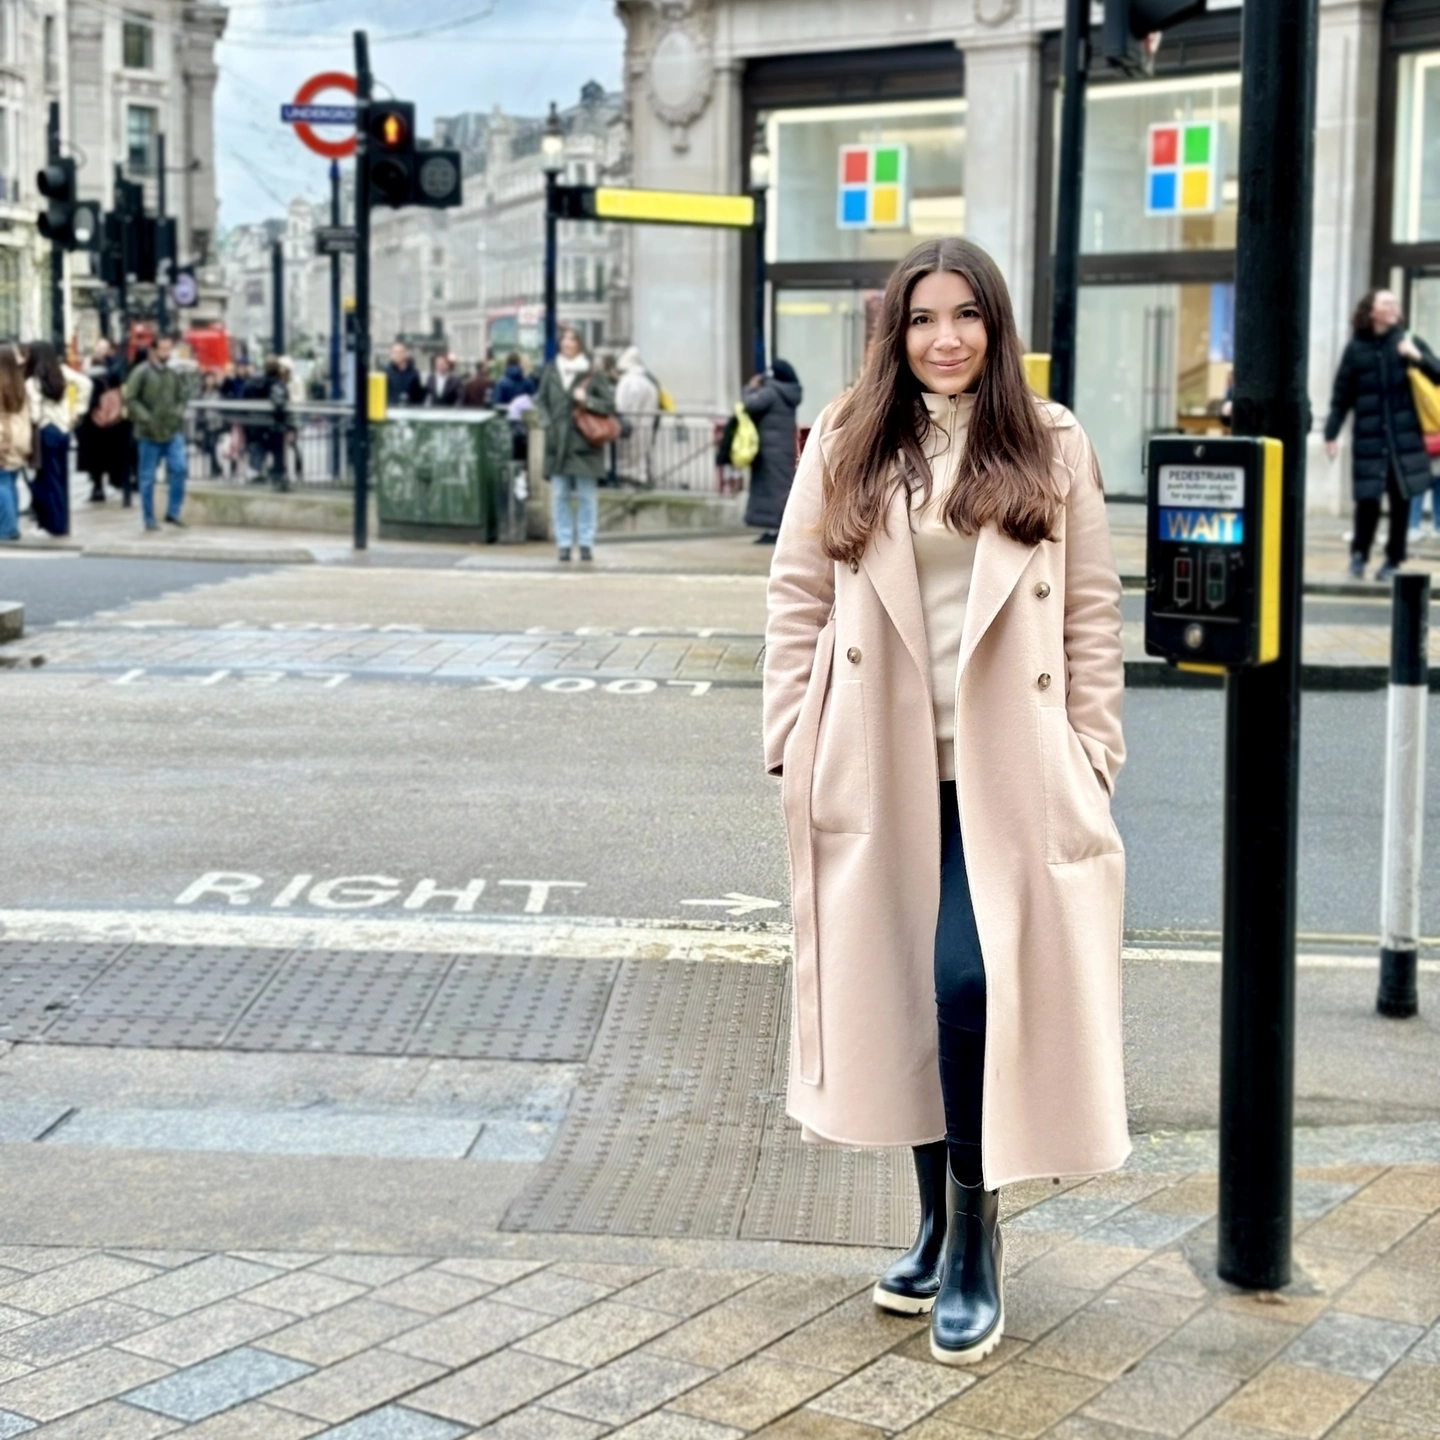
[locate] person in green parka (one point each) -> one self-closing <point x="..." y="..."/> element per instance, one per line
<point x="575" y="465"/>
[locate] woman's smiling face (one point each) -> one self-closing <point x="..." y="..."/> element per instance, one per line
<point x="945" y="338"/>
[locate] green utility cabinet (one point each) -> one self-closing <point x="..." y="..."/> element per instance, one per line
<point x="443" y="475"/>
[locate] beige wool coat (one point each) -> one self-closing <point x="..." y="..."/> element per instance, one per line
<point x="849" y="726"/>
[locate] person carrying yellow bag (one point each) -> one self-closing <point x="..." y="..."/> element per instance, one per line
<point x="771" y="401"/>
<point x="1388" y="446"/>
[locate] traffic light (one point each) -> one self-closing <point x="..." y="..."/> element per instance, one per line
<point x="67" y="221"/>
<point x="401" y="172"/>
<point x="121" y="257"/>
<point x="1128" y="22"/>
<point x="390" y="155"/>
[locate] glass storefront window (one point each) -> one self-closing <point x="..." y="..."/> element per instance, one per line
<point x="824" y="334"/>
<point x="1117" y="178"/>
<point x="1152" y="358"/>
<point x="805" y="215"/>
<point x="1417" y="149"/>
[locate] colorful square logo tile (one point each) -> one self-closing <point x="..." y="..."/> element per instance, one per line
<point x="1182" y="168"/>
<point x="873" y="192"/>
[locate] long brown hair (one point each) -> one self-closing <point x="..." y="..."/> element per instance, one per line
<point x="43" y="366"/>
<point x="12" y="382"/>
<point x="1004" y="473"/>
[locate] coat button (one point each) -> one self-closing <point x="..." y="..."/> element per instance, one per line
<point x="1043" y="681"/>
<point x="854" y="567"/>
<point x="853" y="655"/>
<point x="1042" y="590"/>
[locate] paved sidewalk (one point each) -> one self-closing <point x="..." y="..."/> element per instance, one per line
<point x="1116" y="1330"/>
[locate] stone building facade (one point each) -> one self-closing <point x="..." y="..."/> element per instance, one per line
<point x="123" y="77"/>
<point x="967" y="95"/>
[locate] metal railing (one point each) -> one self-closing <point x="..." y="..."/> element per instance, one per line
<point x="667" y="450"/>
<point x="304" y="446"/>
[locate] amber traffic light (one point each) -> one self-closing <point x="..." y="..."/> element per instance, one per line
<point x="402" y="173"/>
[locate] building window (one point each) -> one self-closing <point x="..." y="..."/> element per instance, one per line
<point x="10" y="322"/>
<point x="9" y="31"/>
<point x="9" y="160"/>
<point x="52" y="57"/>
<point x="140" y="139"/>
<point x="1416" y="214"/>
<point x="1122" y="165"/>
<point x="138" y="41"/>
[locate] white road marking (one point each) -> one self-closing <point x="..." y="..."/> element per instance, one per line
<point x="584" y="937"/>
<point x="735" y="903"/>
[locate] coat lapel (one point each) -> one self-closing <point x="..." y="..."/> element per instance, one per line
<point x="999" y="562"/>
<point x="889" y="561"/>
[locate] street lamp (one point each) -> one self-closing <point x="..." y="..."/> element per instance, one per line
<point x="552" y="147"/>
<point x="759" y="185"/>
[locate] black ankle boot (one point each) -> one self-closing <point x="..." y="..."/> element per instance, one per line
<point x="908" y="1287"/>
<point x="968" y="1317"/>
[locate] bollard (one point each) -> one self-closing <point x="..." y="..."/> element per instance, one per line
<point x="1404" y="796"/>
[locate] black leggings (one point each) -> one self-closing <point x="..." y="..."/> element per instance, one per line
<point x="959" y="999"/>
<point x="1367" y="522"/>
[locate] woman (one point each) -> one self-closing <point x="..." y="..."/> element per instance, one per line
<point x="48" y="382"/>
<point x="16" y="440"/>
<point x="943" y="684"/>
<point x="637" y="400"/>
<point x="1388" y="445"/>
<point x="103" y="441"/>
<point x="771" y="401"/>
<point x="571" y="384"/>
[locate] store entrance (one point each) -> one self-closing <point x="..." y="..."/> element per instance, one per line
<point x="1150" y="358"/>
<point x="823" y="333"/>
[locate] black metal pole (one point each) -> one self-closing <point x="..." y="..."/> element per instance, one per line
<point x="1400" y="869"/>
<point x="362" y="292"/>
<point x="552" y="261"/>
<point x="57" y="250"/>
<point x="1272" y="328"/>
<point x="162" y="244"/>
<point x="336" y="390"/>
<point x="759" y="282"/>
<point x="277" y="296"/>
<point x="1074" y="62"/>
<point x="123" y="264"/>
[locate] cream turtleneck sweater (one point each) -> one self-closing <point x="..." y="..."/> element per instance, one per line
<point x="943" y="563"/>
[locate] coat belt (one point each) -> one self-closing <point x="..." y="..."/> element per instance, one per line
<point x="800" y="770"/>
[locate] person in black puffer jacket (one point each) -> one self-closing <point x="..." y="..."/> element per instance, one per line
<point x="1389" y="447"/>
<point x="772" y="401"/>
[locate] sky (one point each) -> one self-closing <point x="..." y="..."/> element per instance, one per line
<point x="447" y="56"/>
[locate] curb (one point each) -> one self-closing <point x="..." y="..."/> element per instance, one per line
<point x="229" y="554"/>
<point x="1157" y="675"/>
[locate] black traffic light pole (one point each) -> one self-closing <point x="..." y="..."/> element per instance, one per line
<point x="1272" y="324"/>
<point x="57" y="248"/>
<point x="363" y="85"/>
<point x="277" y="296"/>
<point x="1074" y="62"/>
<point x="552" y="260"/>
<point x="162" y="244"/>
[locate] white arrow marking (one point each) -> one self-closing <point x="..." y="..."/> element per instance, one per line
<point x="735" y="903"/>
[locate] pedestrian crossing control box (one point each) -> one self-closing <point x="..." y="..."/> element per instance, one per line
<point x="1212" y="582"/>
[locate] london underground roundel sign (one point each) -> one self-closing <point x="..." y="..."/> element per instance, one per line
<point x="304" y="114"/>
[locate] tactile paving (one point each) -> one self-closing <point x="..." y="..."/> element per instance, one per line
<point x="512" y="1008"/>
<point x="230" y="998"/>
<point x="663" y="1132"/>
<point x="40" y="982"/>
<point x="678" y="1127"/>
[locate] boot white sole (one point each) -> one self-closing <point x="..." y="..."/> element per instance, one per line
<point x="901" y="1304"/>
<point x="974" y="1354"/>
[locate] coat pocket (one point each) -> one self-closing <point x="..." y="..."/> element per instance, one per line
<point x="840" y="785"/>
<point x="1077" y="809"/>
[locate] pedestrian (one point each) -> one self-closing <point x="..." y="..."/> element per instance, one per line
<point x="443" y="387"/>
<point x="279" y="431"/>
<point x="637" y="402"/>
<point x="943" y="685"/>
<point x="57" y="395"/>
<point x="475" y="394"/>
<point x="17" y="439"/>
<point x="209" y="421"/>
<point x="403" y="385"/>
<point x="1388" y="455"/>
<point x="771" y="401"/>
<point x="155" y="398"/>
<point x="513" y="382"/>
<point x="572" y="395"/>
<point x="103" y="440"/>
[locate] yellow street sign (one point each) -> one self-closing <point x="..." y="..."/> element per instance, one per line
<point x="674" y="207"/>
